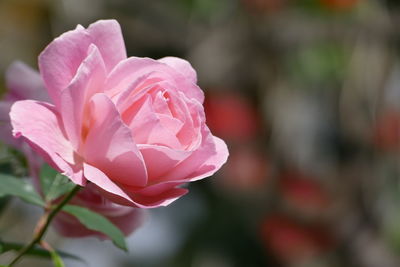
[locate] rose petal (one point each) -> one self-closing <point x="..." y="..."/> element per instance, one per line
<point x="114" y="192"/>
<point x="107" y="36"/>
<point x="110" y="147"/>
<point x="104" y="183"/>
<point x="133" y="97"/>
<point x="39" y="124"/>
<point x="185" y="173"/>
<point x="192" y="114"/>
<point x="213" y="163"/>
<point x="147" y="128"/>
<point x="182" y="66"/>
<point x="88" y="81"/>
<point x="163" y="198"/>
<point x="160" y="159"/>
<point x="171" y="124"/>
<point x="60" y="60"/>
<point x="129" y="70"/>
<point x="160" y="103"/>
<point x="203" y="162"/>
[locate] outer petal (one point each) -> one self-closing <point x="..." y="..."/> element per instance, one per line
<point x="40" y="125"/>
<point x="24" y="83"/>
<point x="200" y="164"/>
<point x="105" y="184"/>
<point x="61" y="59"/>
<point x="203" y="162"/>
<point x="133" y="68"/>
<point x="107" y="36"/>
<point x="182" y="66"/>
<point x="110" y="147"/>
<point x="88" y="81"/>
<point x="59" y="62"/>
<point x="159" y="160"/>
<point x="164" y="198"/>
<point x="122" y="195"/>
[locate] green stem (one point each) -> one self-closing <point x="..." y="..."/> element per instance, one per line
<point x="43" y="224"/>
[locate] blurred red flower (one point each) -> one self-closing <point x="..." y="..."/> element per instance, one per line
<point x="292" y="242"/>
<point x="303" y="193"/>
<point x="231" y="116"/>
<point x="387" y="130"/>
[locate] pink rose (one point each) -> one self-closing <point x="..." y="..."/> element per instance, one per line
<point x="127" y="219"/>
<point x="26" y="83"/>
<point x="134" y="127"/>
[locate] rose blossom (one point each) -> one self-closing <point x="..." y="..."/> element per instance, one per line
<point x="134" y="127"/>
<point x="25" y="83"/>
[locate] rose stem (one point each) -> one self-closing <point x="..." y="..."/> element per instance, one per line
<point x="44" y="223"/>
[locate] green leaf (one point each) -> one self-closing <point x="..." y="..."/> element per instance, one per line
<point x="57" y="261"/>
<point x="97" y="222"/>
<point x="47" y="175"/>
<point x="11" y="186"/>
<point x="53" y="183"/>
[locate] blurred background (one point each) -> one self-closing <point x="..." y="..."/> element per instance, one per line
<point x="307" y="95"/>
